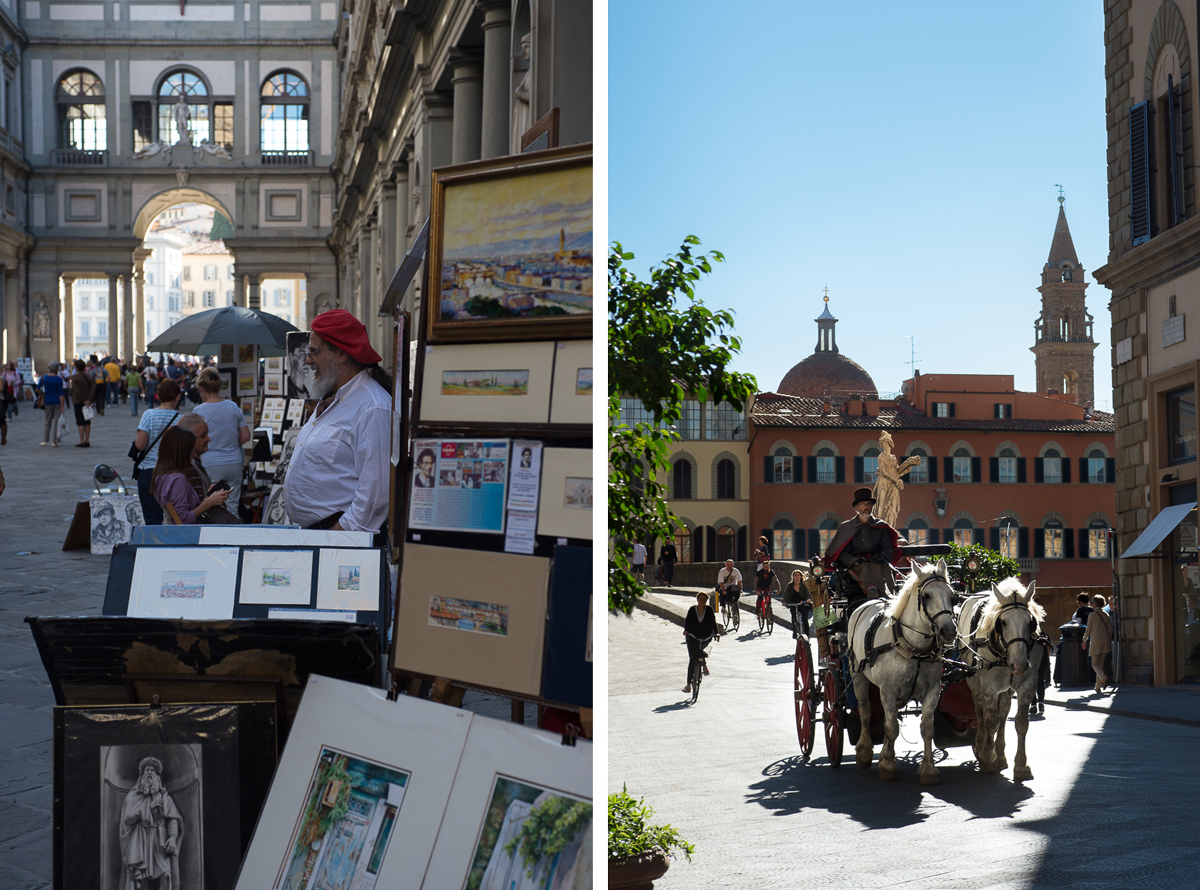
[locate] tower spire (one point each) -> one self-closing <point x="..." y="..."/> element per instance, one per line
<point x="826" y="329"/>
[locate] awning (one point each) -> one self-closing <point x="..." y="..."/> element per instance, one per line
<point x="1161" y="526"/>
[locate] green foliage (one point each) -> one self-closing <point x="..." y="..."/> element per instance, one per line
<point x="629" y="834"/>
<point x="995" y="568"/>
<point x="220" y="228"/>
<point x="664" y="345"/>
<point x="548" y="830"/>
<point x="319" y="819"/>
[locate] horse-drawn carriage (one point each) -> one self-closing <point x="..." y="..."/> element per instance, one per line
<point x="960" y="657"/>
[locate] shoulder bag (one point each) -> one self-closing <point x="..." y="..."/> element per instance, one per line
<point x="138" y="456"/>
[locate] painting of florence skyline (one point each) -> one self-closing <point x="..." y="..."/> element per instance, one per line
<point x="518" y="247"/>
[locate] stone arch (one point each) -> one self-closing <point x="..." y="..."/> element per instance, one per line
<point x="684" y="522"/>
<point x="825" y="443"/>
<point x="694" y="487"/>
<point x="157" y="203"/>
<point x="1062" y="452"/>
<point x="783" y="514"/>
<point x="783" y="443"/>
<point x="737" y="474"/>
<point x="1168" y="29"/>
<point x="1007" y="444"/>
<point x="960" y="515"/>
<point x="1052" y="516"/>
<point x="868" y="445"/>
<point x="962" y="443"/>
<point x="829" y="514"/>
<point x="1098" y="515"/>
<point x="918" y="443"/>
<point x="1009" y="514"/>
<point x="726" y="522"/>
<point x="1092" y="446"/>
<point x="917" y="515"/>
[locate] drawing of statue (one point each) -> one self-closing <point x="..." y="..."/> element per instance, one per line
<point x="41" y="321"/>
<point x="888" y="483"/>
<point x="151" y="829"/>
<point x="522" y="116"/>
<point x="182" y="116"/>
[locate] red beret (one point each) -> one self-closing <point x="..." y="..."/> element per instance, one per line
<point x="339" y="328"/>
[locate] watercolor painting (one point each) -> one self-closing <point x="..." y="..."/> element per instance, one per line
<point x="485" y="383"/>
<point x="583" y="382"/>
<point x="531" y="838"/>
<point x="348" y="577"/>
<point x="227" y="355"/>
<point x="277" y="578"/>
<point x="182" y="585"/>
<point x="577" y="493"/>
<point x="245" y="353"/>
<point x="484" y="618"/>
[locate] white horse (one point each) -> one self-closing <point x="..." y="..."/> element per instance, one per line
<point x="998" y="630"/>
<point x="904" y="660"/>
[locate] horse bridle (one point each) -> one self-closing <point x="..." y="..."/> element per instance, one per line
<point x="997" y="634"/>
<point x="922" y="605"/>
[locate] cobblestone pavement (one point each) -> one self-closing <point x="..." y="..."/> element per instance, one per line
<point x="1109" y="807"/>
<point x="38" y="578"/>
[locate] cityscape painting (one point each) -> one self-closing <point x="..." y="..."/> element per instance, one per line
<point x="484" y="618"/>
<point x="515" y="250"/>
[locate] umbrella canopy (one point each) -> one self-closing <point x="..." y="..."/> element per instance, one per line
<point x="206" y="332"/>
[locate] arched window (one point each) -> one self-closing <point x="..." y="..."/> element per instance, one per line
<point x="1009" y="545"/>
<point x="81" y="121"/>
<point x="683" y="544"/>
<point x="964" y="532"/>
<point x="919" y="473"/>
<point x="1052" y="533"/>
<point x="917" y="532"/>
<point x="962" y="465"/>
<point x="208" y="118"/>
<point x="870" y="465"/>
<point x="826" y="465"/>
<point x="283" y="119"/>
<point x="826" y="530"/>
<point x="681" y="487"/>
<point x="1096" y="466"/>
<point x="1008" y="465"/>
<point x="726" y="544"/>
<point x="1097" y="539"/>
<point x="1052" y="466"/>
<point x="783" y="540"/>
<point x="782" y="465"/>
<point x="726" y="480"/>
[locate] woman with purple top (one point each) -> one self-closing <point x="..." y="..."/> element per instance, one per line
<point x="171" y="485"/>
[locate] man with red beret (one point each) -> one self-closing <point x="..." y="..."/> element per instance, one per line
<point x="338" y="475"/>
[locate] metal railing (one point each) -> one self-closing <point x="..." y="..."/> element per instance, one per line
<point x="77" y="157"/>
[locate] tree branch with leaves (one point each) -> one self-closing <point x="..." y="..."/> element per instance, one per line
<point x="664" y="345"/>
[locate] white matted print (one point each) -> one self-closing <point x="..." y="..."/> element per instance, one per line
<point x="565" y="501"/>
<point x="534" y="784"/>
<point x="418" y="739"/>
<point x="445" y="365"/>
<point x="276" y="577"/>
<point x="348" y="579"/>
<point x="176" y="582"/>
<point x="571" y="401"/>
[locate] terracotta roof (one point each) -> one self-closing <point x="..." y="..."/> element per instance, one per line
<point x="778" y="410"/>
<point x="1062" y="247"/>
<point x="826" y="372"/>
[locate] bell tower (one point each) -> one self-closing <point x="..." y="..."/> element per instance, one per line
<point x="1063" y="342"/>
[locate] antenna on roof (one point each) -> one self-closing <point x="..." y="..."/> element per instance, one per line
<point x="912" y="360"/>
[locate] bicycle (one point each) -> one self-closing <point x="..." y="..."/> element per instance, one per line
<point x="766" y="618"/>
<point x="731" y="615"/>
<point x="701" y="662"/>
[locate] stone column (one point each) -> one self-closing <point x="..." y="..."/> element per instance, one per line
<point x="254" y="297"/>
<point x="496" y="39"/>
<point x="114" y="334"/>
<point x="390" y="235"/>
<point x="68" y="317"/>
<point x="139" y="284"/>
<point x="468" y="105"/>
<point x="127" y="320"/>
<point x="239" y="290"/>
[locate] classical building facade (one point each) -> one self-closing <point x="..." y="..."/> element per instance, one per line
<point x="1153" y="271"/>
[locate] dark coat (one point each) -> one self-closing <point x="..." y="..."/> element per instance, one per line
<point x="856" y="539"/>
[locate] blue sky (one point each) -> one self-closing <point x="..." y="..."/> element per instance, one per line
<point x="904" y="155"/>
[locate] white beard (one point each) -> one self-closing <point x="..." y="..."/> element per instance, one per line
<point x="321" y="387"/>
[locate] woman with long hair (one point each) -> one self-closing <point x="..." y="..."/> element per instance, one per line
<point x="170" y="484"/>
<point x="227" y="431"/>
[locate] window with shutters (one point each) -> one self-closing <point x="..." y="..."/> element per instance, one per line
<point x="681" y="487"/>
<point x="1097" y="539"/>
<point x="1096" y="463"/>
<point x="1009" y="546"/>
<point x="210" y="297"/>
<point x="943" y="409"/>
<point x="726" y="480"/>
<point x="1052" y="534"/>
<point x="826" y="531"/>
<point x="962" y="465"/>
<point x="1003" y="410"/>
<point x="919" y="473"/>
<point x="683" y="544"/>
<point x="1008" y="466"/>
<point x="1141" y="159"/>
<point x="870" y="465"/>
<point x="964" y="532"/>
<point x="917" y="532"/>
<point x="783" y="465"/>
<point x="826" y="465"/>
<point x="1052" y="467"/>
<point x="189" y="298"/>
<point x="783" y="540"/>
<point x="1168" y="178"/>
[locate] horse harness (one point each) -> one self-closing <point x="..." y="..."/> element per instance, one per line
<point x="997" y="645"/>
<point x="898" y="643"/>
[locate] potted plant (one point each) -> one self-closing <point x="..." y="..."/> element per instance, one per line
<point x="637" y="851"/>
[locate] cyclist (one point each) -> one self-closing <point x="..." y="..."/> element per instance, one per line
<point x="729" y="582"/>
<point x="698" y="626"/>
<point x="765" y="582"/>
<point x="797" y="598"/>
<point x="865" y="545"/>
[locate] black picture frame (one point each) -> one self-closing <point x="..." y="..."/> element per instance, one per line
<point x="214" y="760"/>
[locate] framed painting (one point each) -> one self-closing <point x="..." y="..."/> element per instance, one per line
<point x="167" y="793"/>
<point x="565" y="500"/>
<point x="357" y="799"/>
<point x="510" y="248"/>
<point x="273" y="384"/>
<point x="498" y="382"/>
<point x="297" y="375"/>
<point x="176" y="582"/>
<point x="571" y="398"/>
<point x="273" y="364"/>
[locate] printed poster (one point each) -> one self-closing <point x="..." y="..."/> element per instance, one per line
<point x="459" y="484"/>
<point x="524" y="484"/>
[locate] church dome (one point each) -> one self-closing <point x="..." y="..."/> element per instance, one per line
<point x="827" y="371"/>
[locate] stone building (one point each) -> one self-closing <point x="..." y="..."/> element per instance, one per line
<point x="17" y="320"/>
<point x="1153" y="271"/>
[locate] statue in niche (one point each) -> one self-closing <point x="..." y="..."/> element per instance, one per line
<point x="522" y="114"/>
<point x="324" y="304"/>
<point x="41" y="321"/>
<point x="182" y="116"/>
<point x="888" y="483"/>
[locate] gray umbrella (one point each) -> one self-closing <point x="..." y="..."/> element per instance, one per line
<point x="206" y="332"/>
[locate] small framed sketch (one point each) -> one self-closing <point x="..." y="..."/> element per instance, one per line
<point x="273" y="384"/>
<point x="276" y="577"/>
<point x="501" y="382"/>
<point x="176" y="582"/>
<point x="565" y="501"/>
<point x="273" y="364"/>
<point x="571" y="401"/>
<point x="348" y="580"/>
<point x="247" y="383"/>
<point x="248" y="410"/>
<point x="227" y="355"/>
<point x="247" y="353"/>
<point x="228" y="382"/>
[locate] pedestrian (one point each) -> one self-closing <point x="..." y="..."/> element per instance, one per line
<point x="4" y="397"/>
<point x="698" y="626"/>
<point x="12" y="380"/>
<point x="1099" y="633"/>
<point x="796" y="597"/>
<point x="51" y="386"/>
<point x="762" y="554"/>
<point x="150" y="428"/>
<point x="228" y="431"/>
<point x="666" y="558"/>
<point x="639" y="562"/>
<point x="113" y="372"/>
<point x="1084" y="610"/>
<point x="133" y="385"/>
<point x="100" y="378"/>
<point x="150" y="375"/>
<point x="83" y="390"/>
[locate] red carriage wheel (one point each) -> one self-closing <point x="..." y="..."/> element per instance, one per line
<point x="831" y="714"/>
<point x="806" y="728"/>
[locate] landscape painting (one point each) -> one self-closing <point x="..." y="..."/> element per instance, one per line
<point x="583" y="382"/>
<point x="183" y="585"/>
<point x="516" y="248"/>
<point x="531" y="838"/>
<point x="485" y="618"/>
<point x="485" y="383"/>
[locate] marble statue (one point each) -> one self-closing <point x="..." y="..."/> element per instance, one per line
<point x="522" y="114"/>
<point x="888" y="483"/>
<point x="41" y="321"/>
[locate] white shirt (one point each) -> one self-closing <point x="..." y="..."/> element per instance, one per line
<point x="639" y="554"/>
<point x="727" y="574"/>
<point x="342" y="460"/>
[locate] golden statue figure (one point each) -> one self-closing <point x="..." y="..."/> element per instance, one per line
<point x="888" y="483"/>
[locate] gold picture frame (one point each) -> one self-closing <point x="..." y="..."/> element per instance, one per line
<point x="494" y="270"/>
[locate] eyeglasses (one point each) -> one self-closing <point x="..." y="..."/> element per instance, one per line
<point x="309" y="351"/>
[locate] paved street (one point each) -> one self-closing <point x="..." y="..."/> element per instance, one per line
<point x="38" y="578"/>
<point x="1110" y="804"/>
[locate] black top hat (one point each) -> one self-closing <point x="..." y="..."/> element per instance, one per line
<point x="862" y="494"/>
